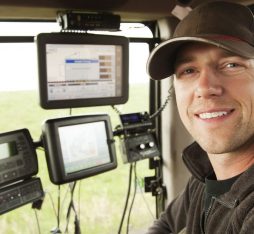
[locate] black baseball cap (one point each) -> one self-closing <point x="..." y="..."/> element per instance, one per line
<point x="224" y="24"/>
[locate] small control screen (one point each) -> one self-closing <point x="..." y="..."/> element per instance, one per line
<point x="18" y="159"/>
<point x="8" y="149"/>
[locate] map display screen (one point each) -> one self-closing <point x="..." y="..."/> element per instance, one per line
<point x="79" y="70"/>
<point x="78" y="147"/>
<point x="83" y="71"/>
<point x="84" y="146"/>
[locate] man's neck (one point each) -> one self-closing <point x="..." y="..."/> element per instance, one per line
<point x="230" y="164"/>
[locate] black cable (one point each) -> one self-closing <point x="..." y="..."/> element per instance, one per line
<point x="58" y="207"/>
<point x="71" y="206"/>
<point x="127" y="199"/>
<point x="145" y="201"/>
<point x="57" y="213"/>
<point x="79" y="197"/>
<point x="77" y="214"/>
<point x="116" y="110"/>
<point x="37" y="221"/>
<point x="52" y="203"/>
<point x="72" y="187"/>
<point x="168" y="98"/>
<point x="133" y="198"/>
<point x="64" y="198"/>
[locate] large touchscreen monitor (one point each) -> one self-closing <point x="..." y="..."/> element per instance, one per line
<point x="79" y="70"/>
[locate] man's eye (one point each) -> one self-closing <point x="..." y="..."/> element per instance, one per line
<point x="232" y="65"/>
<point x="188" y="71"/>
<point x="185" y="72"/>
<point x="232" y="68"/>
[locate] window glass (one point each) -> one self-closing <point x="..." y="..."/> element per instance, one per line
<point x="99" y="200"/>
<point x="27" y="28"/>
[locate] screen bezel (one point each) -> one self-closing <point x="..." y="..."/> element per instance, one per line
<point x="54" y="156"/>
<point x="43" y="39"/>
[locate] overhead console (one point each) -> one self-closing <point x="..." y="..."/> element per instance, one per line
<point x="80" y="69"/>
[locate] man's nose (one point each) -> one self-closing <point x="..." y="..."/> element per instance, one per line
<point x="208" y="84"/>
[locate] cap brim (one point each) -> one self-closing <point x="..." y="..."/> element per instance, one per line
<point x="160" y="63"/>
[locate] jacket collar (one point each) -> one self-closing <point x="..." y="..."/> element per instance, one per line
<point x="197" y="161"/>
<point x="241" y="189"/>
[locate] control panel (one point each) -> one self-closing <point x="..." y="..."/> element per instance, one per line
<point x="139" y="147"/>
<point x="135" y="122"/>
<point x="19" y="194"/>
<point x="137" y="137"/>
<point x="17" y="156"/>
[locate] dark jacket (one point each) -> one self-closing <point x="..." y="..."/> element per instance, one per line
<point x="230" y="213"/>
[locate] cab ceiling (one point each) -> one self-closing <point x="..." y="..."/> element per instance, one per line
<point x="130" y="10"/>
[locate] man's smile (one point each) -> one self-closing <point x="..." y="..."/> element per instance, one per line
<point x="213" y="114"/>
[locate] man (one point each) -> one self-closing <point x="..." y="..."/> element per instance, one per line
<point x="211" y="59"/>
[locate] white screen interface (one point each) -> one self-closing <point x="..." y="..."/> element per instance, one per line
<point x="84" y="146"/>
<point x="8" y="150"/>
<point x="83" y="71"/>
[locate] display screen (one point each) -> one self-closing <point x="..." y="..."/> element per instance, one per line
<point x="18" y="158"/>
<point x="83" y="71"/>
<point x="8" y="149"/>
<point x="78" y="147"/>
<point x="84" y="146"/>
<point x="78" y="70"/>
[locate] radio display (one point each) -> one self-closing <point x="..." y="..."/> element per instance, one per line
<point x="8" y="149"/>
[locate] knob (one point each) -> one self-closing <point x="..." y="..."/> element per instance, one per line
<point x="142" y="146"/>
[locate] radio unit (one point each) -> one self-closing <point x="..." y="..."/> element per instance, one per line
<point x="139" y="147"/>
<point x="137" y="137"/>
<point x="18" y="158"/>
<point x="19" y="194"/>
<point x="136" y="122"/>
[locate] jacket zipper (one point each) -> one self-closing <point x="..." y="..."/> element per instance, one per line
<point x="207" y="213"/>
<point x="213" y="199"/>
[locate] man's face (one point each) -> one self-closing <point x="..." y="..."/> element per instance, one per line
<point x="215" y="97"/>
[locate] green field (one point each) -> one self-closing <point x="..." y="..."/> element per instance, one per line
<point x="99" y="200"/>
